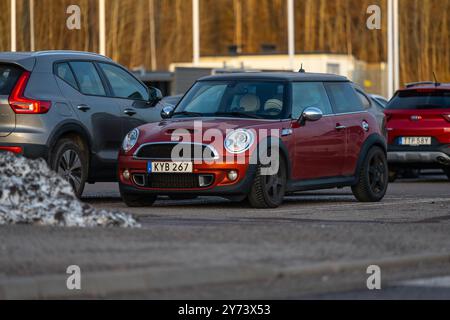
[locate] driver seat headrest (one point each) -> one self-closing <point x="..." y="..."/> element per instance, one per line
<point x="273" y="104"/>
<point x="249" y="103"/>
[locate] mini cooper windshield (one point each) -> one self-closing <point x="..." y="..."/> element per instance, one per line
<point x="241" y="99"/>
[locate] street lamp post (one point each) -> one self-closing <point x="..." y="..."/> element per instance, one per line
<point x="196" y="31"/>
<point x="393" y="48"/>
<point x="102" y="27"/>
<point x="291" y="34"/>
<point x="13" y="26"/>
<point x="31" y="6"/>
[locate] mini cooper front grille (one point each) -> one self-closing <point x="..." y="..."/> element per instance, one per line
<point x="163" y="151"/>
<point x="174" y="180"/>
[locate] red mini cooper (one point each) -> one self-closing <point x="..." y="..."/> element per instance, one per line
<point x="257" y="137"/>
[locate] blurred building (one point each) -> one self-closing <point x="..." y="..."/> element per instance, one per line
<point x="368" y="76"/>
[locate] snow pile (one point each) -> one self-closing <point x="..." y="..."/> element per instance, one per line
<point x="33" y="194"/>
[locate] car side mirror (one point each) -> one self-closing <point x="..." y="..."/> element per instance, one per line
<point x="310" y="114"/>
<point x="154" y="96"/>
<point x="167" y="112"/>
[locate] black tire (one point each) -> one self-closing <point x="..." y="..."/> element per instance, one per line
<point x="182" y="197"/>
<point x="447" y="172"/>
<point x="393" y="175"/>
<point x="137" y="200"/>
<point x="70" y="159"/>
<point x="373" y="177"/>
<point x="268" y="191"/>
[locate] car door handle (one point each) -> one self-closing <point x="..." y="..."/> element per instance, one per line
<point x="83" y="107"/>
<point x="339" y="127"/>
<point x="129" y="112"/>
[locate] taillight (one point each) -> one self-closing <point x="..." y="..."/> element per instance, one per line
<point x="446" y="117"/>
<point x="12" y="149"/>
<point x="21" y="104"/>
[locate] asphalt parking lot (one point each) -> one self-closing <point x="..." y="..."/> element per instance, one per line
<point x="318" y="244"/>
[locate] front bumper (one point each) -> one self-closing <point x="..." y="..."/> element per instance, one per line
<point x="220" y="187"/>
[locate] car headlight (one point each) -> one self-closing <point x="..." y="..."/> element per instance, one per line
<point x="130" y="140"/>
<point x="239" y="141"/>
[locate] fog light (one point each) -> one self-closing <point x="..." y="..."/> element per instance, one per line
<point x="232" y="175"/>
<point x="205" y="180"/>
<point x="126" y="174"/>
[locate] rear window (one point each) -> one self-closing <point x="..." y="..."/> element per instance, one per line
<point x="438" y="99"/>
<point x="88" y="78"/>
<point x="8" y="77"/>
<point x="64" y="72"/>
<point x="344" y="97"/>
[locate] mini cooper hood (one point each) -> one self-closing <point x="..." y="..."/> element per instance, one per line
<point x="163" y="130"/>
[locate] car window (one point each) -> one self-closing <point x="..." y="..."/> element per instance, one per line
<point x="235" y="98"/>
<point x="207" y="99"/>
<point x="309" y="94"/>
<point x="8" y="77"/>
<point x="64" y="72"/>
<point x="364" y="100"/>
<point x="123" y="84"/>
<point x="420" y="99"/>
<point x="88" y="78"/>
<point x="343" y="97"/>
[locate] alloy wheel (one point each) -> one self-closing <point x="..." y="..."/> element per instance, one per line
<point x="70" y="168"/>
<point x="275" y="185"/>
<point x="377" y="173"/>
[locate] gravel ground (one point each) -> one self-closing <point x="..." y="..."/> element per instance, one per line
<point x="310" y="229"/>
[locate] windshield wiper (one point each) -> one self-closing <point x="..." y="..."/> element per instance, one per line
<point x="188" y="113"/>
<point x="238" y="114"/>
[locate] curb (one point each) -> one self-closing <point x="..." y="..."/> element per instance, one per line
<point x="259" y="282"/>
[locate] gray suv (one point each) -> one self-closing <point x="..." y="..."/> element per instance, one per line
<point x="73" y="109"/>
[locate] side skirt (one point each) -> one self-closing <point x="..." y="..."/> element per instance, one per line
<point x="324" y="183"/>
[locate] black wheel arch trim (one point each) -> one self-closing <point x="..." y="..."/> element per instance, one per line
<point x="284" y="152"/>
<point x="374" y="139"/>
<point x="66" y="127"/>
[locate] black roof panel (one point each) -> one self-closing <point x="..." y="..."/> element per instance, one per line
<point x="279" y="76"/>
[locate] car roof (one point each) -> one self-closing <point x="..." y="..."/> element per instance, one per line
<point x="426" y="85"/>
<point x="27" y="60"/>
<point x="276" y="76"/>
<point x="377" y="96"/>
<point x="47" y="53"/>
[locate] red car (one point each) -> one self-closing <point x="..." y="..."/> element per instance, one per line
<point x="418" y="124"/>
<point x="257" y="136"/>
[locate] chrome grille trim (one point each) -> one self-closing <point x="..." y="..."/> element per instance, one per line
<point x="213" y="150"/>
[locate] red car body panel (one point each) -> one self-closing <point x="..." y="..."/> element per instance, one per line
<point x="318" y="150"/>
<point x="418" y="123"/>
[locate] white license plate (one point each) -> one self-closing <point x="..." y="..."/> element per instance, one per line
<point x="169" y="167"/>
<point x="415" y="141"/>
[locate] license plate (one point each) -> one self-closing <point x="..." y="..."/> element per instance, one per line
<point x="169" y="167"/>
<point x="415" y="141"/>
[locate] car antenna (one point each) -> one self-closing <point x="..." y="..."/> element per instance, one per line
<point x="301" y="69"/>
<point x="436" y="82"/>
